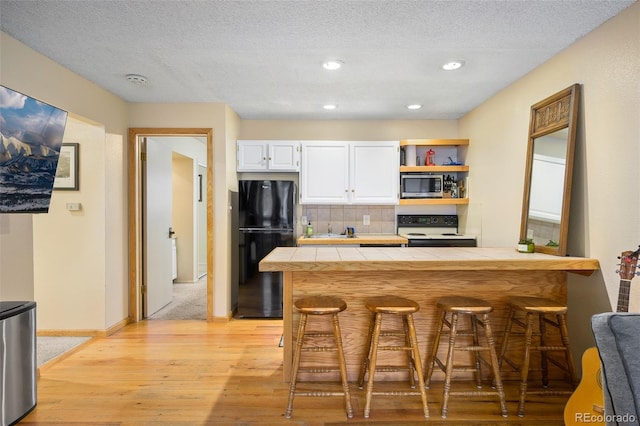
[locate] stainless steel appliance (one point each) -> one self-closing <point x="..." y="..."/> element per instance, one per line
<point x="17" y="360"/>
<point x="432" y="230"/>
<point x="421" y="185"/>
<point x="265" y="221"/>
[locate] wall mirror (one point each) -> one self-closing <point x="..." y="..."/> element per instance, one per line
<point x="549" y="170"/>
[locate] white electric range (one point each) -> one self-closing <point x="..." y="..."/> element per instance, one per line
<point x="433" y="230"/>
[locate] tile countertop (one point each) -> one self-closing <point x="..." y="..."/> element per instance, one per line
<point x="420" y="259"/>
<point x="358" y="239"/>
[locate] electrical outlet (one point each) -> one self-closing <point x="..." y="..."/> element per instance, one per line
<point x="366" y="219"/>
<point x="304" y="220"/>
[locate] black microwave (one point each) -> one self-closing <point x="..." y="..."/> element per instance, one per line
<point x="421" y="185"/>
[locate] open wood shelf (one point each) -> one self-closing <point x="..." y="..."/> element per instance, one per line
<point x="433" y="201"/>
<point x="427" y="169"/>
<point x="434" y="142"/>
<point x="434" y="169"/>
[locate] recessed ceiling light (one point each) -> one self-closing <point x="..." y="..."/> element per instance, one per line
<point x="453" y="65"/>
<point x="332" y="65"/>
<point x="414" y="106"/>
<point x="330" y="106"/>
<point x="137" y="79"/>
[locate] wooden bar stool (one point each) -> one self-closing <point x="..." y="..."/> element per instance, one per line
<point x="523" y="311"/>
<point x="477" y="311"/>
<point x="378" y="306"/>
<point x="319" y="305"/>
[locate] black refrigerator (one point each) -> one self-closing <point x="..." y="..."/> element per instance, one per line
<point x="266" y="212"/>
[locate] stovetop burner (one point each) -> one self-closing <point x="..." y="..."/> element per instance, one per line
<point x="415" y="236"/>
<point x="432" y="235"/>
<point x="433" y="230"/>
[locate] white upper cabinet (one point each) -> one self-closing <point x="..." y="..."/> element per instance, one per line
<point x="324" y="172"/>
<point x="265" y="156"/>
<point x="337" y="172"/>
<point x="374" y="172"/>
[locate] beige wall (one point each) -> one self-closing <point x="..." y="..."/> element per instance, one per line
<point x="373" y="130"/>
<point x="223" y="215"/>
<point x="70" y="247"/>
<point x="66" y="268"/>
<point x="16" y="257"/>
<point x="605" y="211"/>
<point x="116" y="257"/>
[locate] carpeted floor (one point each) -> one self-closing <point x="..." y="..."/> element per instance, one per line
<point x="50" y="347"/>
<point x="189" y="302"/>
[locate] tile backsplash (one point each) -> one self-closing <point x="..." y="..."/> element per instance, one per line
<point x="382" y="219"/>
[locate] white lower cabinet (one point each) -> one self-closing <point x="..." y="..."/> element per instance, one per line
<point x="343" y="172"/>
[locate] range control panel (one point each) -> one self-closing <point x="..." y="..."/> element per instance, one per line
<point x="428" y="220"/>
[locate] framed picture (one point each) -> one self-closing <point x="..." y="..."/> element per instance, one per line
<point x="67" y="172"/>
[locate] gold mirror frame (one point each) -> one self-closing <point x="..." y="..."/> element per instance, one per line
<point x="554" y="118"/>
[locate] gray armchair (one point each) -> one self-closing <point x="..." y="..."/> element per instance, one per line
<point x="617" y="336"/>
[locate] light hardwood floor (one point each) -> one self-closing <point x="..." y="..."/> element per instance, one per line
<point x="200" y="373"/>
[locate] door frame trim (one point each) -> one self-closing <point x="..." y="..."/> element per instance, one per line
<point x="135" y="213"/>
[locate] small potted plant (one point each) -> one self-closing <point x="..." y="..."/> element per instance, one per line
<point x="526" y="245"/>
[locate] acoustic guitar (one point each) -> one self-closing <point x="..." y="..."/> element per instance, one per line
<point x="586" y="404"/>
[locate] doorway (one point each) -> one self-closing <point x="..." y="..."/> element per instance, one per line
<point x="136" y="213"/>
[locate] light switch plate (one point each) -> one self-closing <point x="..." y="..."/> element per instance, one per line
<point x="74" y="207"/>
<point x="366" y="219"/>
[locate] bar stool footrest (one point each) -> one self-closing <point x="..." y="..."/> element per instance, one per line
<point x="318" y="393"/>
<point x="473" y="393"/>
<point x="394" y="348"/>
<point x="319" y="369"/>
<point x="318" y="334"/>
<point x="396" y="393"/>
<point x="319" y="349"/>
<point x="390" y="368"/>
<point x="555" y="392"/>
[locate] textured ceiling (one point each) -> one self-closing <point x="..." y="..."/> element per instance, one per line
<point x="263" y="57"/>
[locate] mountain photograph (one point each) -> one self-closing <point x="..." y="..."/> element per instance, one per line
<point x="31" y="135"/>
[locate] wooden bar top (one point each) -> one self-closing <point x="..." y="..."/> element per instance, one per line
<point x="419" y="259"/>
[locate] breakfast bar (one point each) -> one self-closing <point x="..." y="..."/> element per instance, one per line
<point x="422" y="274"/>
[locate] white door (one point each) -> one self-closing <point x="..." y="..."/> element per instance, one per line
<point x="202" y="220"/>
<point x="157" y="249"/>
